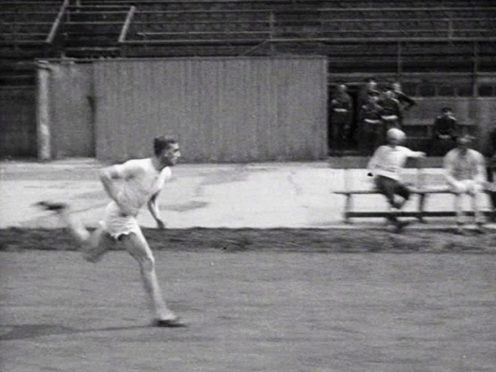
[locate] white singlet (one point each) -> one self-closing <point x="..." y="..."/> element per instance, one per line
<point x="140" y="181"/>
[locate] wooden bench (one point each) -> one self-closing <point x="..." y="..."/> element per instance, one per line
<point x="418" y="188"/>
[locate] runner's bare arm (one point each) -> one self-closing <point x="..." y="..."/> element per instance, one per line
<point x="108" y="176"/>
<point x="155" y="210"/>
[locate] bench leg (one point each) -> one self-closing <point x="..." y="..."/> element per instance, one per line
<point x="348" y="205"/>
<point x="421" y="205"/>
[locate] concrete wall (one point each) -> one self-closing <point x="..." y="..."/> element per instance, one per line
<point x="17" y="122"/>
<point x="220" y="109"/>
<point x="71" y="110"/>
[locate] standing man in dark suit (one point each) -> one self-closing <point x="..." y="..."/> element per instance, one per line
<point x="340" y="110"/>
<point x="370" y="125"/>
<point x="444" y="133"/>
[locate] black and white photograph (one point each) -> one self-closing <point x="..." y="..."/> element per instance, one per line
<point x="248" y="185"/>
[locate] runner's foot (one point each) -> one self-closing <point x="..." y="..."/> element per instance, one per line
<point x="168" y="323"/>
<point x="51" y="206"/>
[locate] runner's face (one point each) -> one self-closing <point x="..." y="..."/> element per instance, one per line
<point x="170" y="156"/>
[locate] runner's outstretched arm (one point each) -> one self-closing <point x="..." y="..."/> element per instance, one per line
<point x="155" y="211"/>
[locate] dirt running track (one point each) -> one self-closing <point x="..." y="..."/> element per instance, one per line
<point x="281" y="300"/>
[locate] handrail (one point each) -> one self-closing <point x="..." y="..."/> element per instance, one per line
<point x="342" y="20"/>
<point x="57" y="22"/>
<point x="127" y="23"/>
<point x="325" y="10"/>
<point x="333" y="40"/>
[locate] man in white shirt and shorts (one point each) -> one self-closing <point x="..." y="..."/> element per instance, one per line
<point x="130" y="185"/>
<point x="386" y="165"/>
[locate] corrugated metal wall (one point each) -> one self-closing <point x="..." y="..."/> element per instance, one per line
<point x="71" y="110"/>
<point x="17" y="122"/>
<point x="233" y="110"/>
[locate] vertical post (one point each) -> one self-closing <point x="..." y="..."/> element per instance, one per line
<point x="43" y="112"/>
<point x="399" y="61"/>
<point x="420" y="187"/>
<point x="348" y="207"/>
<point x="475" y="70"/>
<point x="271" y="30"/>
<point x="124" y="31"/>
<point x="348" y="204"/>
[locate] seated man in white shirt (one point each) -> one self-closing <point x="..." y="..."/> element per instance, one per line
<point x="386" y="165"/>
<point x="465" y="173"/>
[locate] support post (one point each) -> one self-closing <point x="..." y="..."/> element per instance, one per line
<point x="43" y="112"/>
<point x="420" y="184"/>
<point x="399" y="61"/>
<point x="475" y="70"/>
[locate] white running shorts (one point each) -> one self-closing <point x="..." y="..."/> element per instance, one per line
<point x="116" y="224"/>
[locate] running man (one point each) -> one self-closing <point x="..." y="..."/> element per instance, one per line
<point x="130" y="185"/>
<point x="386" y="165"/>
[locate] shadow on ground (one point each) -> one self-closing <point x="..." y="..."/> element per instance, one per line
<point x="28" y="331"/>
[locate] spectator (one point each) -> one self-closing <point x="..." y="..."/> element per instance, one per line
<point x="386" y="165"/>
<point x="369" y="87"/>
<point x="391" y="114"/>
<point x="405" y="101"/>
<point x="444" y="133"/>
<point x="341" y="109"/>
<point x="490" y="154"/>
<point x="465" y="173"/>
<point x="370" y="125"/>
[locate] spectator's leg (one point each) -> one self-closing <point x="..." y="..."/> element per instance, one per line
<point x="476" y="196"/>
<point x="361" y="136"/>
<point x="367" y="141"/>
<point x="338" y="138"/>
<point x="403" y="191"/>
<point x="386" y="187"/>
<point x="334" y="137"/>
<point x="431" y="151"/>
<point x="492" y="194"/>
<point x="380" y="135"/>
<point x="458" y="189"/>
<point x="458" y="209"/>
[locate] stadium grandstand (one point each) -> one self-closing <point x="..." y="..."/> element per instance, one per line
<point x="443" y="48"/>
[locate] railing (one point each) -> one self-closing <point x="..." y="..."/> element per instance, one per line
<point x="127" y="23"/>
<point x="57" y="23"/>
<point x="317" y="22"/>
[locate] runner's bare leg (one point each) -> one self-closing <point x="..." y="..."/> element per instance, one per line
<point x="138" y="247"/>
